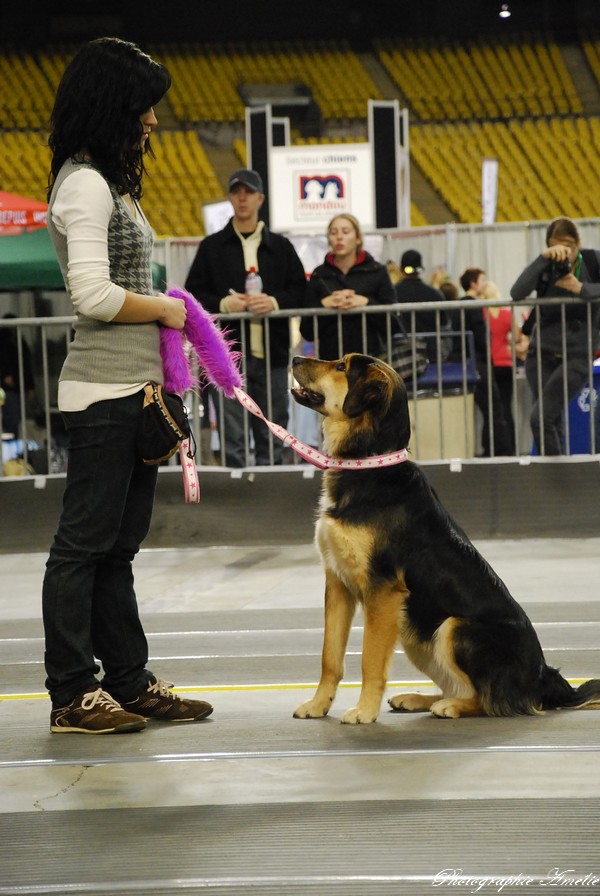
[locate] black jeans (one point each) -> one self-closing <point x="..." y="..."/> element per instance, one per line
<point x="552" y="392"/>
<point x="492" y="416"/>
<point x="231" y="422"/>
<point x="503" y="377"/>
<point x="89" y="604"/>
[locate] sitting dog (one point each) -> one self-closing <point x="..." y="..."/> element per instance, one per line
<point x="387" y="543"/>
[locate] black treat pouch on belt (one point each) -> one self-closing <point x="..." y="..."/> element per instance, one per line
<point x="164" y="424"/>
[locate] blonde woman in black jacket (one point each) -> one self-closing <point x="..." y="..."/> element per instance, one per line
<point x="348" y="278"/>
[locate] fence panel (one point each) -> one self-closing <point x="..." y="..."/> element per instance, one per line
<point x="453" y="403"/>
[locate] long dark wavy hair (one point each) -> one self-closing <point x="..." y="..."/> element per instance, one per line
<point x="105" y="88"/>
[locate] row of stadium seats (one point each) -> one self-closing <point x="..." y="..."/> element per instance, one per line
<point x="547" y="164"/>
<point x="591" y="49"/>
<point x="449" y="82"/>
<point x="481" y="80"/>
<point x="24" y="163"/>
<point x="206" y="77"/>
<point x="25" y="94"/>
<point x="181" y="179"/>
<point x="205" y="80"/>
<point x="28" y="84"/>
<point x="547" y="167"/>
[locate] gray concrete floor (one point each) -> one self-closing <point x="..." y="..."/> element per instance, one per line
<point x="253" y="800"/>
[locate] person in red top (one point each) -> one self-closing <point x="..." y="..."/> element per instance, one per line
<point x="504" y="329"/>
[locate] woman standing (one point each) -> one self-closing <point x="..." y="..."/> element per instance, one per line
<point x="348" y="278"/>
<point x="562" y="269"/>
<point x="100" y="130"/>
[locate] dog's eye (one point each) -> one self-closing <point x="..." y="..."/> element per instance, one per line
<point x="340" y="365"/>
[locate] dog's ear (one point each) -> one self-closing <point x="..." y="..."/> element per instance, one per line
<point x="363" y="396"/>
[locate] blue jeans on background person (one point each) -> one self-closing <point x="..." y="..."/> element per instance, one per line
<point x="231" y="421"/>
<point x="89" y="605"/>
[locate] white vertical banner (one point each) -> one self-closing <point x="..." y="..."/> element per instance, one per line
<point x="404" y="179"/>
<point x="489" y="190"/>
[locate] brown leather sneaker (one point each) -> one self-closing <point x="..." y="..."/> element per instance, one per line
<point x="94" y="712"/>
<point x="159" y="703"/>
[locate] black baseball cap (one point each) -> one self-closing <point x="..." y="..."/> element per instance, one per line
<point x="411" y="262"/>
<point x="250" y="179"/>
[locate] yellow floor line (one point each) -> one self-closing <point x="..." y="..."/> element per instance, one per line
<point x="269" y="687"/>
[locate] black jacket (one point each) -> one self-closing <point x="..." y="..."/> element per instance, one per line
<point x="541" y="275"/>
<point x="474" y="322"/>
<point x="219" y="267"/>
<point x="367" y="278"/>
<point x="412" y="289"/>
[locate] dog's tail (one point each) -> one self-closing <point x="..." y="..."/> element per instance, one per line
<point x="557" y="693"/>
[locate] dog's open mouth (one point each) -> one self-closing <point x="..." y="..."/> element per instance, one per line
<point x="307" y="396"/>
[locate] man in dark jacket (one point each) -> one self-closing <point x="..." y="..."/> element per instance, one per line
<point x="217" y="279"/>
<point x="412" y="289"/>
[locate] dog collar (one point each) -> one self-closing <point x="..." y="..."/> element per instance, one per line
<point x="312" y="455"/>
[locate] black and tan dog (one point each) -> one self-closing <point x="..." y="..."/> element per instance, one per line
<point x="387" y="543"/>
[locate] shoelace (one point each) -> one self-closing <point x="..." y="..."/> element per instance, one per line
<point x="161" y="688"/>
<point x="100" y="698"/>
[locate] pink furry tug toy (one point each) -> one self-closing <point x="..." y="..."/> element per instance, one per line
<point x="218" y="365"/>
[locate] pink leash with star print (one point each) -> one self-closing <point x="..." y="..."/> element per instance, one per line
<point x="221" y="367"/>
<point x="312" y="455"/>
<point x="191" y="483"/>
<point x="306" y="452"/>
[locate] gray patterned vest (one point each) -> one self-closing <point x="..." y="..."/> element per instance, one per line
<point x="104" y="352"/>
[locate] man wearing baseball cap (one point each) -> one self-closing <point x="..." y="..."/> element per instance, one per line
<point x="249" y="179"/>
<point x="217" y="279"/>
<point x="412" y="289"/>
<point x="411" y="262"/>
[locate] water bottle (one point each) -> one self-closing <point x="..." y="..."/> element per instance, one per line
<point x="254" y="284"/>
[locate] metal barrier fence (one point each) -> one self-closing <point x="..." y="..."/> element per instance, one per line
<point x="453" y="403"/>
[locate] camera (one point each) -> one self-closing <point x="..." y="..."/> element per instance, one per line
<point x="561" y="268"/>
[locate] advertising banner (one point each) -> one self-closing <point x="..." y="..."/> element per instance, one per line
<point x="309" y="185"/>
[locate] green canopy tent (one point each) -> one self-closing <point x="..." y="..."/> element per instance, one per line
<point x="28" y="261"/>
<point x="27" y="257"/>
<point x="28" y="265"/>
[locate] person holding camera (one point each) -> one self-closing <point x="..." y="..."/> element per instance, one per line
<point x="562" y="269"/>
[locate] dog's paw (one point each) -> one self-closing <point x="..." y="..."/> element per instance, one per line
<point x="310" y="709"/>
<point x="457" y="707"/>
<point x="357" y="715"/>
<point x="446" y="709"/>
<point x="411" y="702"/>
